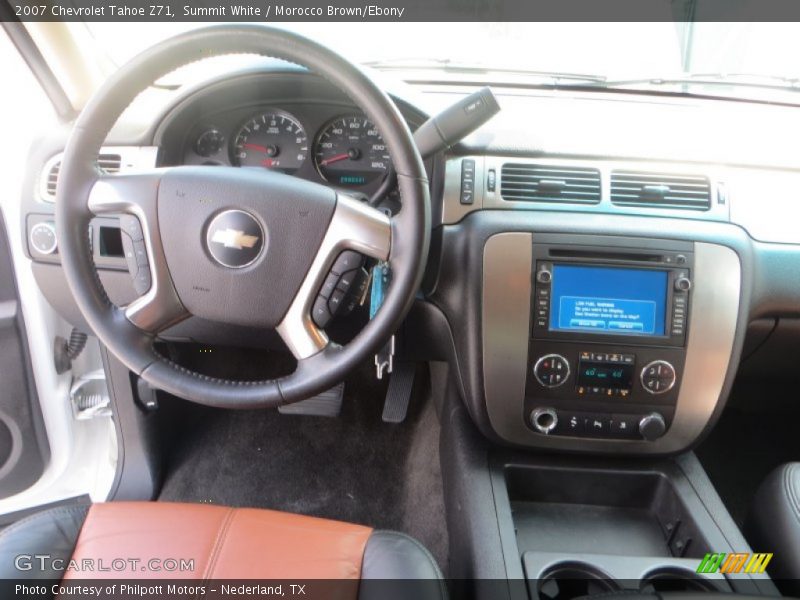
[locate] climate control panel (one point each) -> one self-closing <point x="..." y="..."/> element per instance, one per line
<point x="551" y="421"/>
<point x="602" y="391"/>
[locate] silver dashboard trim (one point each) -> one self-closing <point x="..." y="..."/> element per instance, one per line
<point x="506" y="310"/>
<point x="507" y="262"/>
<point x="453" y="211"/>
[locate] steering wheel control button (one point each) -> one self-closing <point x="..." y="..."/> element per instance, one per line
<point x="544" y="420"/>
<point x="652" y="426"/>
<point x="320" y="313"/>
<point x="348" y="260"/>
<point x="140" y="252"/>
<point x="335" y="302"/>
<point x="658" y="377"/>
<point x="551" y="370"/>
<point x="130" y="225"/>
<point x="331" y="281"/>
<point x="346" y="280"/>
<point x="142" y="281"/>
<point x="342" y="291"/>
<point x="234" y="239"/>
<point x="43" y="238"/>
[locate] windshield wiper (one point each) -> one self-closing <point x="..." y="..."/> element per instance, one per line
<point x="752" y="80"/>
<point x="451" y="66"/>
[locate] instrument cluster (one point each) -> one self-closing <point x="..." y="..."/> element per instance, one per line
<point x="338" y="146"/>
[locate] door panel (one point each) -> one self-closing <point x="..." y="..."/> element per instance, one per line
<point x="23" y="445"/>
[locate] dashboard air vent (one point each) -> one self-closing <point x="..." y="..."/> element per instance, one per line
<point x="658" y="190"/>
<point x="525" y="182"/>
<point x="108" y="163"/>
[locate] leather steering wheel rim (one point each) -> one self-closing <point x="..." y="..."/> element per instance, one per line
<point x="83" y="192"/>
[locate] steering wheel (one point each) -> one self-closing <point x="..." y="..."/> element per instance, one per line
<point x="239" y="246"/>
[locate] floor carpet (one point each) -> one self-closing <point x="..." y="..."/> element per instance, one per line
<point x="353" y="468"/>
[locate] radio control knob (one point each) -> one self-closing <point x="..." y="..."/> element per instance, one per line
<point x="544" y="420"/>
<point x="544" y="276"/>
<point x="551" y="370"/>
<point x="683" y="284"/>
<point x="658" y="377"/>
<point x="652" y="426"/>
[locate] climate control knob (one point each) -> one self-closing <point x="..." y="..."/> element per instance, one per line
<point x="551" y="370"/>
<point x="652" y="426"/>
<point x="658" y="377"/>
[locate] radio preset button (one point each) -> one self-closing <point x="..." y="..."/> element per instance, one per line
<point x="551" y="370"/>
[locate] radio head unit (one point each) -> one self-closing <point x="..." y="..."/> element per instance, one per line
<point x="634" y="297"/>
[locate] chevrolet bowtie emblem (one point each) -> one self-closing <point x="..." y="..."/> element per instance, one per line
<point x="231" y="238"/>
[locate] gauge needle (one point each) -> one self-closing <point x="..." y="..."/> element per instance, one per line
<point x="256" y="147"/>
<point x="334" y="159"/>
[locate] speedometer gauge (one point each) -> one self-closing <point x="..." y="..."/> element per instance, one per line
<point x="350" y="151"/>
<point x="272" y="140"/>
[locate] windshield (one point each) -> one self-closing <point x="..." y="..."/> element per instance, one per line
<point x="749" y="60"/>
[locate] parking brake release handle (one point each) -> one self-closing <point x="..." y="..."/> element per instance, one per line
<point x="455" y="122"/>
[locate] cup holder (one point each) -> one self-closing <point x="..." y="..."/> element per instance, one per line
<point x="568" y="580"/>
<point x="675" y="579"/>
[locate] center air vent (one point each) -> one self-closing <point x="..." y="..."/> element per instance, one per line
<point x="658" y="190"/>
<point x="524" y="182"/>
<point x="108" y="163"/>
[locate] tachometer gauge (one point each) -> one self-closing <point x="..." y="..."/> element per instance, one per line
<point x="272" y="140"/>
<point x="350" y="151"/>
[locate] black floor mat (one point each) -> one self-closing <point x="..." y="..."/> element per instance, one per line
<point x="353" y="468"/>
<point x="756" y="433"/>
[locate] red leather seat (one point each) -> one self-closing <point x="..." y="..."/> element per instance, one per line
<point x="199" y="542"/>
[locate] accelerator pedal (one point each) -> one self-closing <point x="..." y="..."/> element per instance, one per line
<point x="398" y="396"/>
<point x="326" y="404"/>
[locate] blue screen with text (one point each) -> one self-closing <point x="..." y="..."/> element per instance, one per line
<point x="614" y="301"/>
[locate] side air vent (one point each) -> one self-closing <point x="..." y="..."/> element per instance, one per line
<point x="108" y="163"/>
<point x="657" y="190"/>
<point x="523" y="182"/>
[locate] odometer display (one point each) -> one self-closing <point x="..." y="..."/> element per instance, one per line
<point x="272" y="140"/>
<point x="350" y="152"/>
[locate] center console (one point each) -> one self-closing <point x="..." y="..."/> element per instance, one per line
<point x="607" y="337"/>
<point x="605" y="343"/>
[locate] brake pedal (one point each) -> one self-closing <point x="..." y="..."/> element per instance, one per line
<point x="398" y="395"/>
<point x="326" y="404"/>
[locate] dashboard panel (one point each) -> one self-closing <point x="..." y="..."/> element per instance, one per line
<point x="530" y="182"/>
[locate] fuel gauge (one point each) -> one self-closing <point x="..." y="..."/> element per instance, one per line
<point x="210" y="142"/>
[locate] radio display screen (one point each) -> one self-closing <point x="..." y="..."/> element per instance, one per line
<point x="609" y="300"/>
